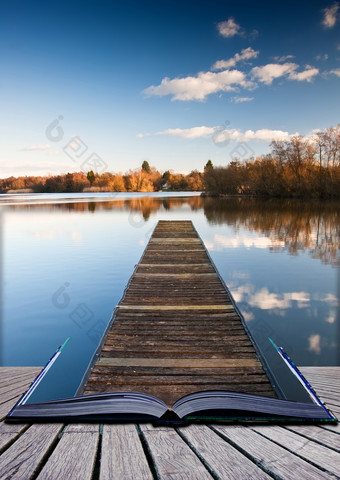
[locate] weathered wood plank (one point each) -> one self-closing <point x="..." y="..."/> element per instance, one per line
<point x="215" y="453"/>
<point x="74" y="456"/>
<point x="179" y="362"/>
<point x="22" y="459"/>
<point x="317" y="434"/>
<point x="175" y="307"/>
<point x="225" y="460"/>
<point x="275" y="459"/>
<point x="122" y="455"/>
<point x="173" y="458"/>
<point x="8" y="405"/>
<point x="10" y="392"/>
<point x="9" y="432"/>
<point x="307" y="449"/>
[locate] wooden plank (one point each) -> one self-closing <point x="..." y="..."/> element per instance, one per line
<point x="8" y="405"/>
<point x="22" y="459"/>
<point x="174" y="275"/>
<point x="172" y="457"/>
<point x="74" y="456"/>
<point x="246" y="452"/>
<point x="12" y="384"/>
<point x="143" y="266"/>
<point x="275" y="459"/>
<point x="177" y="240"/>
<point x="307" y="449"/>
<point x="122" y="455"/>
<point x="223" y="459"/>
<point x="9" y="432"/>
<point x="11" y="392"/>
<point x="174" y="307"/>
<point x="179" y="362"/>
<point x="317" y="434"/>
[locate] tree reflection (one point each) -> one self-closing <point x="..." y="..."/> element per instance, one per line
<point x="299" y="225"/>
<point x="293" y="225"/>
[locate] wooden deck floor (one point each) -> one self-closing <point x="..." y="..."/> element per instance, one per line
<point x="197" y="452"/>
<point x="176" y="330"/>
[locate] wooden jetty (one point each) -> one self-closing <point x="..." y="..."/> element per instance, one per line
<point x="143" y="452"/>
<point x="184" y="316"/>
<point x="176" y="330"/>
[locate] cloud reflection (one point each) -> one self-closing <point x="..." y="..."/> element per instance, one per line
<point x="314" y="344"/>
<point x="266" y="300"/>
<point x="244" y="240"/>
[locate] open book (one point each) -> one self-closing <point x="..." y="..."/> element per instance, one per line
<point x="210" y="405"/>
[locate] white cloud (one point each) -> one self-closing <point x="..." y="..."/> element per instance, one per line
<point x="283" y="58"/>
<point x="331" y="317"/>
<point x="266" y="300"/>
<point x="314" y="344"/>
<point x="229" y="28"/>
<point x="267" y="73"/>
<point x="199" y="87"/>
<point x="246" y="54"/>
<point x="37" y="147"/>
<point x="194" y="132"/>
<point x="331" y="299"/>
<point x="248" y="316"/>
<point x="336" y="72"/>
<point x="220" y="135"/>
<point x="307" y="75"/>
<point x="224" y="77"/>
<point x="264" y="134"/>
<point x="241" y="99"/>
<point x="236" y="241"/>
<point x="330" y="15"/>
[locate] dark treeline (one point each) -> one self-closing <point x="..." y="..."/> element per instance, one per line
<point x="298" y="167"/>
<point x="145" y="179"/>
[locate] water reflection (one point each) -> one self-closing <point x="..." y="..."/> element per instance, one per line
<point x="291" y="225"/>
<point x="294" y="225"/>
<point x="267" y="252"/>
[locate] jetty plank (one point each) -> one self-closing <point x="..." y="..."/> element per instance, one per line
<point x="9" y="432"/>
<point x="80" y="442"/>
<point x="223" y="459"/>
<point x="275" y="459"/>
<point x="307" y="449"/>
<point x="146" y="452"/>
<point x="22" y="459"/>
<point x="172" y="457"/>
<point x="122" y="454"/>
<point x="176" y="313"/>
<point x="319" y="435"/>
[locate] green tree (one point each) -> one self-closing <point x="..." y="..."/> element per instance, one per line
<point x="208" y="166"/>
<point x="91" y="176"/>
<point x="146" y="167"/>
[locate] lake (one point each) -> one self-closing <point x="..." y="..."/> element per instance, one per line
<point x="66" y="259"/>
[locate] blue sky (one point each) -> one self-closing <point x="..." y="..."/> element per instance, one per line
<point x="108" y="84"/>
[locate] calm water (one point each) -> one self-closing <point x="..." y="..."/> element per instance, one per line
<point x="67" y="258"/>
